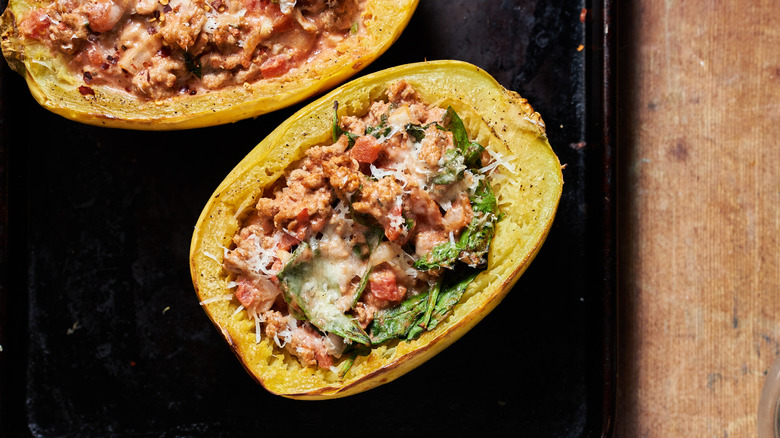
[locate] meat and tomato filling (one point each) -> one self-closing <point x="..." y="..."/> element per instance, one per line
<point x="159" y="48"/>
<point x="359" y="242"/>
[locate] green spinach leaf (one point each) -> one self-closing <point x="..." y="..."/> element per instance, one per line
<point x="306" y="284"/>
<point x="381" y="130"/>
<point x="415" y="131"/>
<point x="395" y="322"/>
<point x="472" y="151"/>
<point x="448" y="295"/>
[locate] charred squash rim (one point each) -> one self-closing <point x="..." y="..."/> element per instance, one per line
<point x="499" y="119"/>
<point x="59" y="92"/>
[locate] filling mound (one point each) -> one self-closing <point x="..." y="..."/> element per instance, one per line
<point x="370" y="239"/>
<point x="156" y="49"/>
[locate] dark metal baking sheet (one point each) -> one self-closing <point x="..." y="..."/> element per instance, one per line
<point x="102" y="334"/>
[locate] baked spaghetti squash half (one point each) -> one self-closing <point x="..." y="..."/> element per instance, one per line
<point x="375" y="227"/>
<point x="176" y="64"/>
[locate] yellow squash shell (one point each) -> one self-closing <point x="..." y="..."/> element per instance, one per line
<point x="58" y="91"/>
<point x="528" y="190"/>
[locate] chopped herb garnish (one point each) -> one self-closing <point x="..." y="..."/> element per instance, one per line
<point x="382" y="130"/>
<point x="415" y="131"/>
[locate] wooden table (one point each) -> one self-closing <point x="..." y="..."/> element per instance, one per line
<point x="699" y="147"/>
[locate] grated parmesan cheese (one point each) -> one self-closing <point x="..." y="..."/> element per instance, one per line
<point x="225" y="297"/>
<point x="498" y="160"/>
<point x="212" y="257"/>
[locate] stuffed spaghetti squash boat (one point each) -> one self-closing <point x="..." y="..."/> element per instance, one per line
<point x="175" y="64"/>
<point x="375" y="227"/>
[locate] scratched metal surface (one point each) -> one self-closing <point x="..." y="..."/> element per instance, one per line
<point x="102" y="334"/>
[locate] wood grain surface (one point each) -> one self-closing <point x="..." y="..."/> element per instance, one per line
<point x="699" y="147"/>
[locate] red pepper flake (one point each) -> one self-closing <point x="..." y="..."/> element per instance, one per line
<point x="583" y="15"/>
<point x="164" y="51"/>
<point x="84" y="90"/>
<point x="104" y="66"/>
<point x="167" y="8"/>
<point x="151" y="30"/>
<point x="111" y="59"/>
<point x="87" y="78"/>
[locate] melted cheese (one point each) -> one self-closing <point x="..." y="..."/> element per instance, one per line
<point x="338" y="262"/>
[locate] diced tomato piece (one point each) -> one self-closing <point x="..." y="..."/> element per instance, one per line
<point x="288" y="241"/>
<point x="246" y="291"/>
<point x="35" y="24"/>
<point x="302" y="224"/>
<point x="90" y="56"/>
<point x="303" y="216"/>
<point x="366" y="149"/>
<point x="383" y="285"/>
<point x="392" y="233"/>
<point x="323" y="358"/>
<point x="275" y="66"/>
